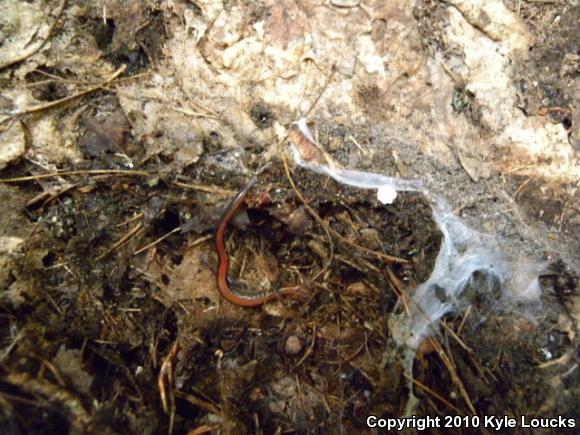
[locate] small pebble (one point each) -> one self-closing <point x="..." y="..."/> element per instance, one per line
<point x="293" y="345"/>
<point x="299" y="222"/>
<point x="371" y="238"/>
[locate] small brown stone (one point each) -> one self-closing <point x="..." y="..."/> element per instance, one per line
<point x="298" y="222"/>
<point x="370" y="238"/>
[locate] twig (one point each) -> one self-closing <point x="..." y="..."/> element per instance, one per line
<point x="300" y="395"/>
<point x="465" y="316"/>
<point x="19" y="399"/>
<point x="564" y="359"/>
<point x="543" y="1"/>
<point x="202" y="107"/>
<point x="78" y="416"/>
<point x="521" y="187"/>
<point x="59" y="193"/>
<point x="362" y="149"/>
<point x="166" y="374"/>
<point x="310" y="348"/>
<point x="330" y="256"/>
<point x="207" y="189"/>
<point x="355" y="265"/>
<point x="204" y="428"/>
<point x="398" y="288"/>
<point x="456" y="337"/>
<point x="315" y="102"/>
<point x="35" y="48"/>
<point x="203" y="404"/>
<point x="348" y="359"/>
<point x="133" y="231"/>
<point x="55" y="77"/>
<point x="194" y="114"/>
<point x="562" y="216"/>
<point x="51" y="368"/>
<point x="6" y="351"/>
<point x="433" y="393"/>
<point x="454" y="376"/>
<point x="131" y="219"/>
<point x="200" y="240"/>
<point x="51" y="104"/>
<point x="70" y="173"/>
<point x="50" y="197"/>
<point x="160" y="239"/>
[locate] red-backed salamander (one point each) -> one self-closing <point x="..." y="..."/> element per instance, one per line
<point x="243" y="299"/>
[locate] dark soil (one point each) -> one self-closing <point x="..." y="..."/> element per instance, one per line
<point x="91" y="307"/>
